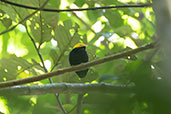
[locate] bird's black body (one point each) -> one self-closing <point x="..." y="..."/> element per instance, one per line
<point x="78" y="56"/>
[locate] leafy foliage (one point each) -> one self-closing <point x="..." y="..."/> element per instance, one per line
<point x="105" y="31"/>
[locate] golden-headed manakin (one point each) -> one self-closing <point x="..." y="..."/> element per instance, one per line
<point x="77" y="56"/>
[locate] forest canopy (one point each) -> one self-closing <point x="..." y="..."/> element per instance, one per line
<point x="125" y="75"/>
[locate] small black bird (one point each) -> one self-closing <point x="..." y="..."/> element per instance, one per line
<point x="77" y="56"/>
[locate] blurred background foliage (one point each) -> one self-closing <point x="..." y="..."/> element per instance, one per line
<point x="106" y="32"/>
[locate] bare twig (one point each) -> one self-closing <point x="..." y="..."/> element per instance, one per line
<point x="60" y="103"/>
<point x="79" y="88"/>
<point x="27" y="68"/>
<point x="79" y="103"/>
<point x="77" y="67"/>
<point x="63" y="51"/>
<point x="81" y="9"/>
<point x="38" y="52"/>
<point x="12" y="28"/>
<point x="42" y="61"/>
<point x="75" y="106"/>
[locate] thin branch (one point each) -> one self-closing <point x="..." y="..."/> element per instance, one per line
<point x="77" y="67"/>
<point x="60" y="103"/>
<point x="58" y="59"/>
<point x="81" y="9"/>
<point x="64" y="50"/>
<point x="31" y="38"/>
<point x="27" y="68"/>
<point x="80" y="102"/>
<point x="25" y="19"/>
<point x="38" y="52"/>
<point x="42" y="61"/>
<point x="79" y="88"/>
<point x="12" y="28"/>
<point x="72" y="109"/>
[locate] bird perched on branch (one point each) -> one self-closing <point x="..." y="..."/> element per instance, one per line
<point x="77" y="56"/>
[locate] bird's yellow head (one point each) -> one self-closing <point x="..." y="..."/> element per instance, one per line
<point x="79" y="45"/>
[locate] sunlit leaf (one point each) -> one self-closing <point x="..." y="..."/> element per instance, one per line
<point x="11" y="65"/>
<point x="7" y="22"/>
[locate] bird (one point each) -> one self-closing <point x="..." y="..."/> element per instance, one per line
<point x="77" y="56"/>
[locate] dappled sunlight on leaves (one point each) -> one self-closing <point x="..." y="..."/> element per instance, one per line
<point x="52" y="36"/>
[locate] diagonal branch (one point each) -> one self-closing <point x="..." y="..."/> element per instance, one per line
<point x="63" y="51"/>
<point x="79" y="103"/>
<point x="42" y="61"/>
<point x="37" y="50"/>
<point x="81" y="9"/>
<point x="77" y="67"/>
<point x="79" y="88"/>
<point x="73" y="109"/>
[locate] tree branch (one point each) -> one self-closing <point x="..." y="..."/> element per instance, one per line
<point x="72" y="109"/>
<point x="77" y="67"/>
<point x="63" y="51"/>
<point x="70" y="10"/>
<point x="79" y="102"/>
<point x="38" y="52"/>
<point x="59" y="102"/>
<point x="79" y="88"/>
<point x="42" y="61"/>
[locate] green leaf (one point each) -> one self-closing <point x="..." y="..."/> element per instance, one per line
<point x="93" y="15"/>
<point x="19" y="104"/>
<point x="6" y="22"/>
<point x="4" y="42"/>
<point x="63" y="36"/>
<point x="9" y="11"/>
<point x="109" y="2"/>
<point x="102" y="103"/>
<point x="54" y="54"/>
<point x="11" y="65"/>
<point x="79" y="3"/>
<point x="68" y="24"/>
<point x="42" y="24"/>
<point x="40" y="29"/>
<point x="46" y="104"/>
<point x="53" y="4"/>
<point x="114" y="18"/>
<point x="2" y="13"/>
